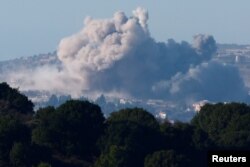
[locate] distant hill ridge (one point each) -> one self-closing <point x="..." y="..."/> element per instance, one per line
<point x="30" y="62"/>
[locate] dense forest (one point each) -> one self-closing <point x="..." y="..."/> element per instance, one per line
<point x="76" y="134"/>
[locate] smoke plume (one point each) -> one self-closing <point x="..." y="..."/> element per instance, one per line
<point x="119" y="56"/>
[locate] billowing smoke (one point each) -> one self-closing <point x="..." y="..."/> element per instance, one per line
<point x="118" y="56"/>
<point x="210" y="80"/>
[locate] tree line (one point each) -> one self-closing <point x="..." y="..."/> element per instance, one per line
<point x="76" y="134"/>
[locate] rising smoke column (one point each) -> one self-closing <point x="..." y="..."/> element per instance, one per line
<point x="102" y="43"/>
<point x="119" y="55"/>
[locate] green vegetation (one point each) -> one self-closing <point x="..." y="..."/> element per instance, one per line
<point x="12" y="101"/>
<point x="76" y="134"/>
<point x="166" y="158"/>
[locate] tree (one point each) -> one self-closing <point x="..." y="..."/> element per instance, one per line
<point x="133" y="129"/>
<point x="12" y="134"/>
<point x="226" y="124"/>
<point x="186" y="140"/>
<point x="166" y="158"/>
<point x="183" y="136"/>
<point x="72" y="129"/>
<point x="43" y="133"/>
<point x="11" y="100"/>
<point x="43" y="164"/>
<point x="136" y="115"/>
<point x="19" y="155"/>
<point x="115" y="157"/>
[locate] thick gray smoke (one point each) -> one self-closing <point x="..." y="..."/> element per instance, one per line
<point x="118" y="56"/>
<point x="101" y="45"/>
<point x="211" y="81"/>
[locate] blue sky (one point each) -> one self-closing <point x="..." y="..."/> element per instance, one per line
<point x="29" y="27"/>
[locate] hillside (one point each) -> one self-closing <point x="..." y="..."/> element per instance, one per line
<point x="235" y="55"/>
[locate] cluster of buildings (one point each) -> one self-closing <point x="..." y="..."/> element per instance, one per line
<point x="233" y="54"/>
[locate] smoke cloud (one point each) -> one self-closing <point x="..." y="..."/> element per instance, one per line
<point x="119" y="56"/>
<point x="210" y="80"/>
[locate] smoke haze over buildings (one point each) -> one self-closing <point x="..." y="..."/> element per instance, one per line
<point x="118" y="56"/>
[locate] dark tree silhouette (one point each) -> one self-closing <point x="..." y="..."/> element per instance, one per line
<point x="11" y="100"/>
<point x="71" y="129"/>
<point x="227" y="124"/>
<point x="166" y="158"/>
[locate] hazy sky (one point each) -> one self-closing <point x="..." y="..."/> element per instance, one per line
<point x="29" y="27"/>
